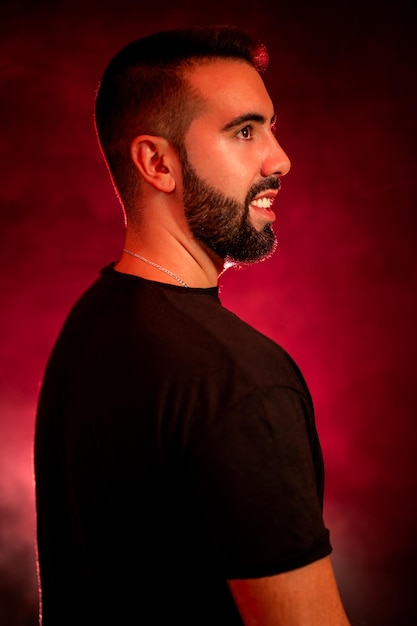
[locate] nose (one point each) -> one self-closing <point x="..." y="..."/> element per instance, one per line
<point x="276" y="161"/>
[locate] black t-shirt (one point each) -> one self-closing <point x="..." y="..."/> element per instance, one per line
<point x="175" y="449"/>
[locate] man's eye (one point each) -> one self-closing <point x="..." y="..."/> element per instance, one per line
<point x="245" y="133"/>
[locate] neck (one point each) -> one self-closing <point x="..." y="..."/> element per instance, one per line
<point x="171" y="262"/>
<point x="161" y="234"/>
<point x="156" y="266"/>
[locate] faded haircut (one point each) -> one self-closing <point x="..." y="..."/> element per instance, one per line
<point x="144" y="91"/>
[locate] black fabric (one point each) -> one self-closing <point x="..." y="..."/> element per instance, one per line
<point x="175" y="449"/>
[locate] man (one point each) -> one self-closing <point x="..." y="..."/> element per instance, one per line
<point x="179" y="475"/>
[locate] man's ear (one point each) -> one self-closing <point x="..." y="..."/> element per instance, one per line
<point x="153" y="158"/>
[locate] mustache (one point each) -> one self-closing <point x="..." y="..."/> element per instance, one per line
<point x="272" y="182"/>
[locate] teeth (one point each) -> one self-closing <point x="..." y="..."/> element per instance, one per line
<point x="262" y="203"/>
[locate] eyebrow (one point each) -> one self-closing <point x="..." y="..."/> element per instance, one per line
<point x="248" y="117"/>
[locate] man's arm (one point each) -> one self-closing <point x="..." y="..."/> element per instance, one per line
<point x="307" y="596"/>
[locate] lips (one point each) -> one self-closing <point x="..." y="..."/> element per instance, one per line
<point x="264" y="200"/>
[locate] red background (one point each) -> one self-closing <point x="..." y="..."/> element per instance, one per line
<point x="339" y="294"/>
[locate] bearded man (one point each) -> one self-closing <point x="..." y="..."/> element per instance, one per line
<point x="179" y="475"/>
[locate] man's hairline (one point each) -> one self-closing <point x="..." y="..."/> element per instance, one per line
<point x="201" y="100"/>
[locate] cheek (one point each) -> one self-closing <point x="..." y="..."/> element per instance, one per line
<point x="225" y="174"/>
<point x="223" y="164"/>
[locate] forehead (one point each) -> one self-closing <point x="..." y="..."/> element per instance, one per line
<point x="230" y="87"/>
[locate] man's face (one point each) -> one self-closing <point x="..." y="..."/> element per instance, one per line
<point x="232" y="163"/>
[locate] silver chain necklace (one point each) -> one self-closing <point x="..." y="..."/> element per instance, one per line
<point x="158" y="267"/>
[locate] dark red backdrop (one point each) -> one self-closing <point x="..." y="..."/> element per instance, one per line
<point x="339" y="294"/>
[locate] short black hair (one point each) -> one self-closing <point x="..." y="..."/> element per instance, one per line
<point x="143" y="91"/>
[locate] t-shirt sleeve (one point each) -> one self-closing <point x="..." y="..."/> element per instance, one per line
<point x="257" y="478"/>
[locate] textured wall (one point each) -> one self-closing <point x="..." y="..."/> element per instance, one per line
<point x="339" y="294"/>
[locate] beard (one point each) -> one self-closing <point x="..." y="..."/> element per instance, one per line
<point x="222" y="223"/>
